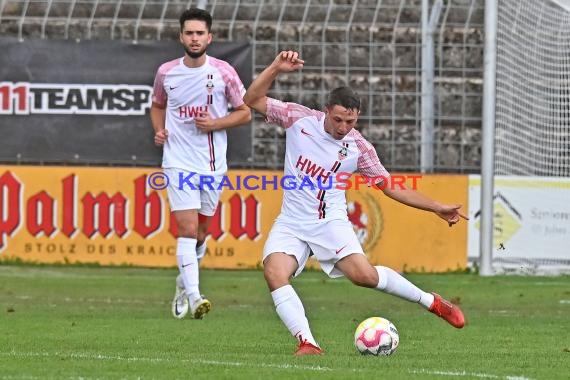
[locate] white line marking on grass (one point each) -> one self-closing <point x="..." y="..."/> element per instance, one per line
<point x="564" y="301"/>
<point x="263" y="365"/>
<point x="241" y="364"/>
<point x="161" y="360"/>
<point x="467" y="374"/>
<point x="553" y="283"/>
<point x="107" y="300"/>
<point x="503" y="313"/>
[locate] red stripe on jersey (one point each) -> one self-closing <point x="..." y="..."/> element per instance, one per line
<point x="321" y="193"/>
<point x="335" y="167"/>
<point x="211" y="146"/>
<point x="322" y="203"/>
<point x="322" y="206"/>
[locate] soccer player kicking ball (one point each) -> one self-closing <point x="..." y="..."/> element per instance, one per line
<point x="316" y="220"/>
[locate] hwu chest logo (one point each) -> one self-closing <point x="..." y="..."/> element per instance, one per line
<point x="343" y="152"/>
<point x="210" y="84"/>
<point x="210" y="89"/>
<point x="24" y="98"/>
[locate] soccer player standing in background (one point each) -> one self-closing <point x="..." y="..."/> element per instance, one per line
<point x="315" y="220"/>
<point x="189" y="115"/>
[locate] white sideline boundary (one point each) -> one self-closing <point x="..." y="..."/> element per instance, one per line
<point x="239" y="364"/>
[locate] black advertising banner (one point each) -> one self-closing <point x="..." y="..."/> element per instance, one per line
<point x="88" y="102"/>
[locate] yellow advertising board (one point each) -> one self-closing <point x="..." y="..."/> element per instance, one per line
<point x="407" y="239"/>
<point x="113" y="216"/>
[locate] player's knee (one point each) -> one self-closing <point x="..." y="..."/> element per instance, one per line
<point x="271" y="272"/>
<point x="187" y="229"/>
<point x="365" y="279"/>
<point x="186" y="224"/>
<point x="275" y="276"/>
<point x="187" y="232"/>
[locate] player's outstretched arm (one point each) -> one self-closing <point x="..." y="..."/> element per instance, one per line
<point x="449" y="213"/>
<point x="256" y="94"/>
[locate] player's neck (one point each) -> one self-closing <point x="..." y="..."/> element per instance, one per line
<point x="194" y="62"/>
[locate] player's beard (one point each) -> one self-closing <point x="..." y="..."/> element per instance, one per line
<point x="195" y="55"/>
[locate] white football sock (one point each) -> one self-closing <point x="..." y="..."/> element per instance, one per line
<point x="393" y="283"/>
<point x="200" y="252"/>
<point x="291" y="311"/>
<point x="188" y="266"/>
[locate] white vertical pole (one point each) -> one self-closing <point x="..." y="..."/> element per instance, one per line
<point x="429" y="23"/>
<point x="488" y="139"/>
<point x="426" y="145"/>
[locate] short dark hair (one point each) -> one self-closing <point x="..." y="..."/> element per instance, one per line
<point x="196" y="14"/>
<point x="344" y="96"/>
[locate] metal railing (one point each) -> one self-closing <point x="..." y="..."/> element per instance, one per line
<point x="372" y="45"/>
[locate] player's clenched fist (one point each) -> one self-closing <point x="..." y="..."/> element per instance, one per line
<point x="287" y="61"/>
<point x="160" y="137"/>
<point x="205" y="122"/>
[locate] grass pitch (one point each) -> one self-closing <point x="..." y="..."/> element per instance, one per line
<point x="115" y="323"/>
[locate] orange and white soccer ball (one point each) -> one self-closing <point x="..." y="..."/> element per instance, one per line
<point x="376" y="336"/>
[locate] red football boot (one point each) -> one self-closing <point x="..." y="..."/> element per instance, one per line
<point x="448" y="311"/>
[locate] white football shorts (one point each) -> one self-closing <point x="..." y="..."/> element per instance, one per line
<point x="329" y="241"/>
<point x="197" y="192"/>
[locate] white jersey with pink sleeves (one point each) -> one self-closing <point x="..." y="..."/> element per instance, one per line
<point x="186" y="92"/>
<point x="318" y="167"/>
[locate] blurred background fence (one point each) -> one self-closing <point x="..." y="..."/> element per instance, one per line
<point x="373" y="46"/>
